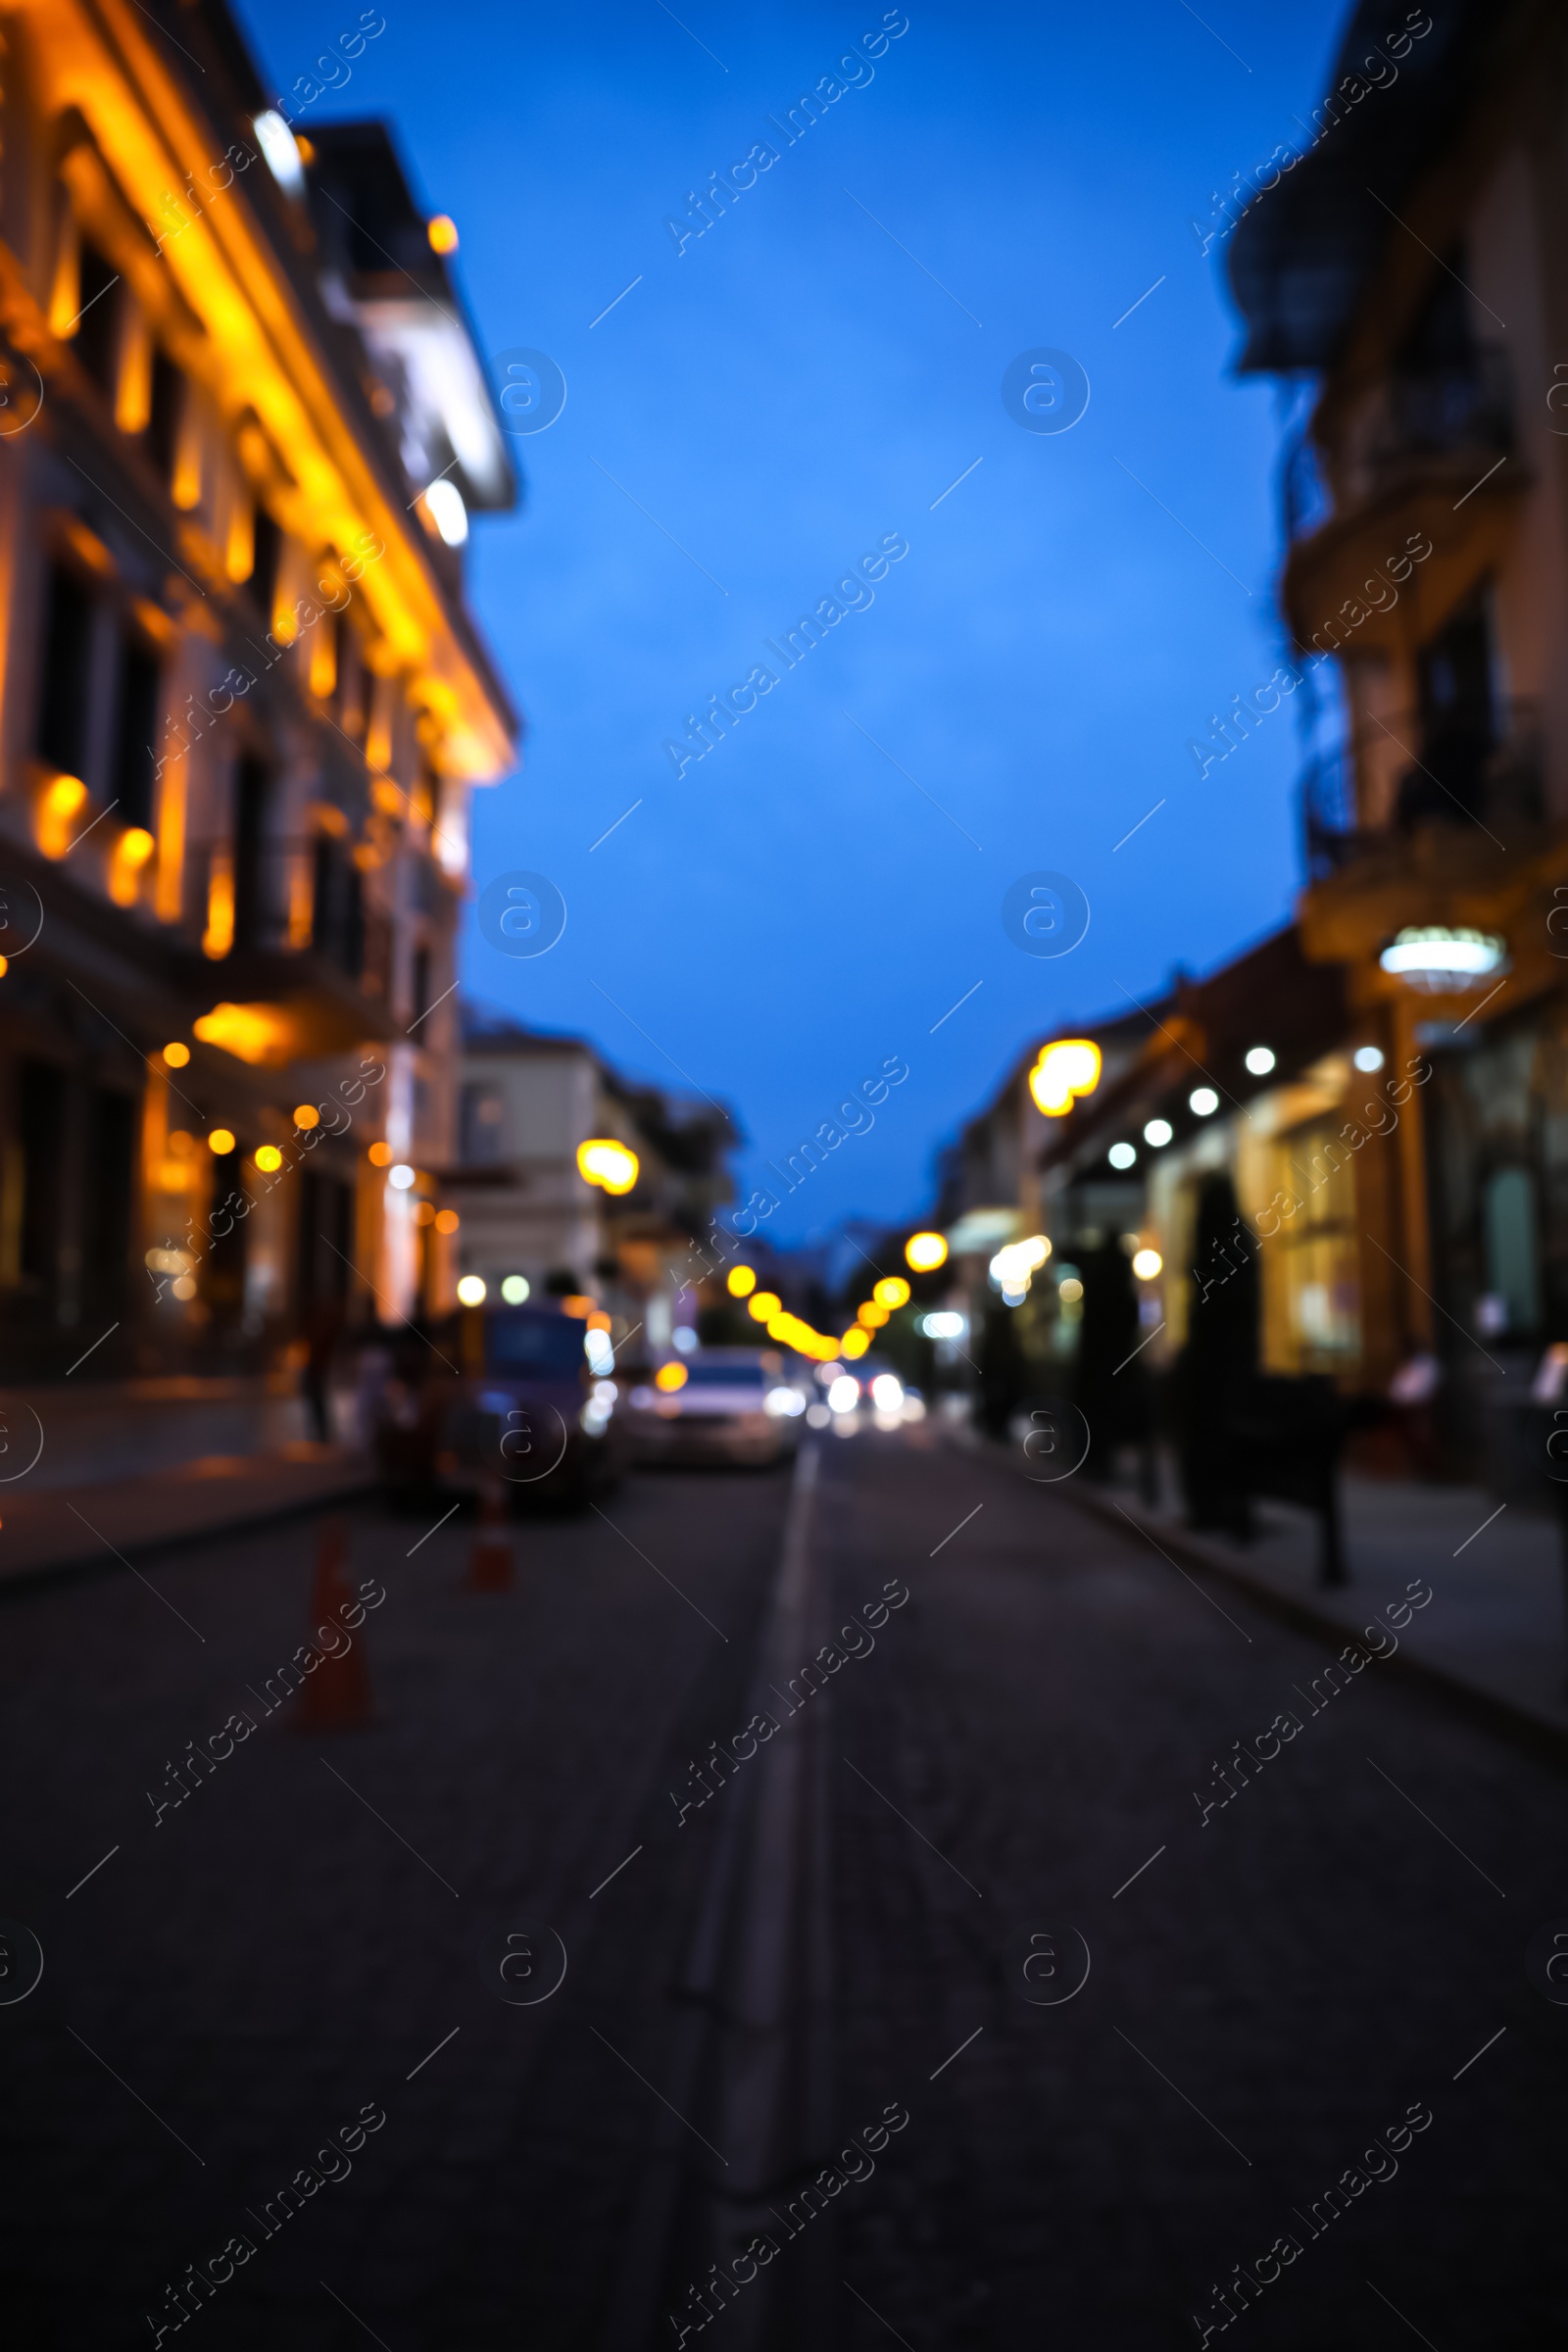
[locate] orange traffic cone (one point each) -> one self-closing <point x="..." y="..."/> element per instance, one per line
<point x="490" y="1565"/>
<point x="337" y="1692"/>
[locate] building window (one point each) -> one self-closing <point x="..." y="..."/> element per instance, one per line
<point x="141" y="679"/>
<point x="266" y="556"/>
<point x="483" y="1126"/>
<point x="337" y="929"/>
<point x="1509" y="1222"/>
<point x="165" y="416"/>
<point x="352" y="681"/>
<point x="66" y="660"/>
<point x="1311" y="1286"/>
<point x="97" y="338"/>
<point x="254" y="915"/>
<point x="422" y="986"/>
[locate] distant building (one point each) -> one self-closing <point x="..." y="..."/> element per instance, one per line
<point x="529" y="1102"/>
<point x="242" y="705"/>
<point x="1406" y="275"/>
<point x="1249" y="1070"/>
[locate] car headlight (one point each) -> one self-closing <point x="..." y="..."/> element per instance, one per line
<point x="594" y="1419"/>
<point x="782" y="1403"/>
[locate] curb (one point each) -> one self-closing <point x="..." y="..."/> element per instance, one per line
<point x="75" y="1567"/>
<point x="1547" y="1743"/>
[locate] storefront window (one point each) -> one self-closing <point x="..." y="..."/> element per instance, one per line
<point x="1310" y="1269"/>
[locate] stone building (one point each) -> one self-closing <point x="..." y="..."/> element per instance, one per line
<point x="243" y="425"/>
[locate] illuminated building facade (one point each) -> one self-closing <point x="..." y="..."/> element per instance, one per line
<point x="243" y="424"/>
<point x="1403" y="276"/>
<point x="532" y="1192"/>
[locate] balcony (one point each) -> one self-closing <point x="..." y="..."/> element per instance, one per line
<point x="1469" y="787"/>
<point x="1429" y="455"/>
<point x="285" y="926"/>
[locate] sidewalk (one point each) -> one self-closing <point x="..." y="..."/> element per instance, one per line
<point x="91" y="1432"/>
<point x="1495" y="1635"/>
<point x="59" y="1528"/>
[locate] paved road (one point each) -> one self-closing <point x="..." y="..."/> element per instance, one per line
<point x="259" y="1976"/>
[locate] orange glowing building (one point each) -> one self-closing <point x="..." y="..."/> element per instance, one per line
<point x="243" y="424"/>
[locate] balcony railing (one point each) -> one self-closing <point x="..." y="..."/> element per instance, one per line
<point x="1489" y="781"/>
<point x="296" y="896"/>
<point x="1464" y="407"/>
<point x="1434" y="411"/>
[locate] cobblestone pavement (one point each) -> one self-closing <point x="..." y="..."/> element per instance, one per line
<point x="284" y="1949"/>
<point x="269" y="1965"/>
<point x="1264" y="1999"/>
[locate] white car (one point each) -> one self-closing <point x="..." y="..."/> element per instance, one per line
<point x="720" y="1405"/>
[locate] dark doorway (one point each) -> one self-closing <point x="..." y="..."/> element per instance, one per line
<point x="325" y="1241"/>
<point x="225" y="1283"/>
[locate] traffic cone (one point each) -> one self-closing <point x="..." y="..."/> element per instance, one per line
<point x="490" y="1564"/>
<point x="337" y="1692"/>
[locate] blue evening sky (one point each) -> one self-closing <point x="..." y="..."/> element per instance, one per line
<point x="776" y="398"/>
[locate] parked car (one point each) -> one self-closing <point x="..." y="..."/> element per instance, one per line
<point x="504" y="1393"/>
<point x="720" y="1405"/>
